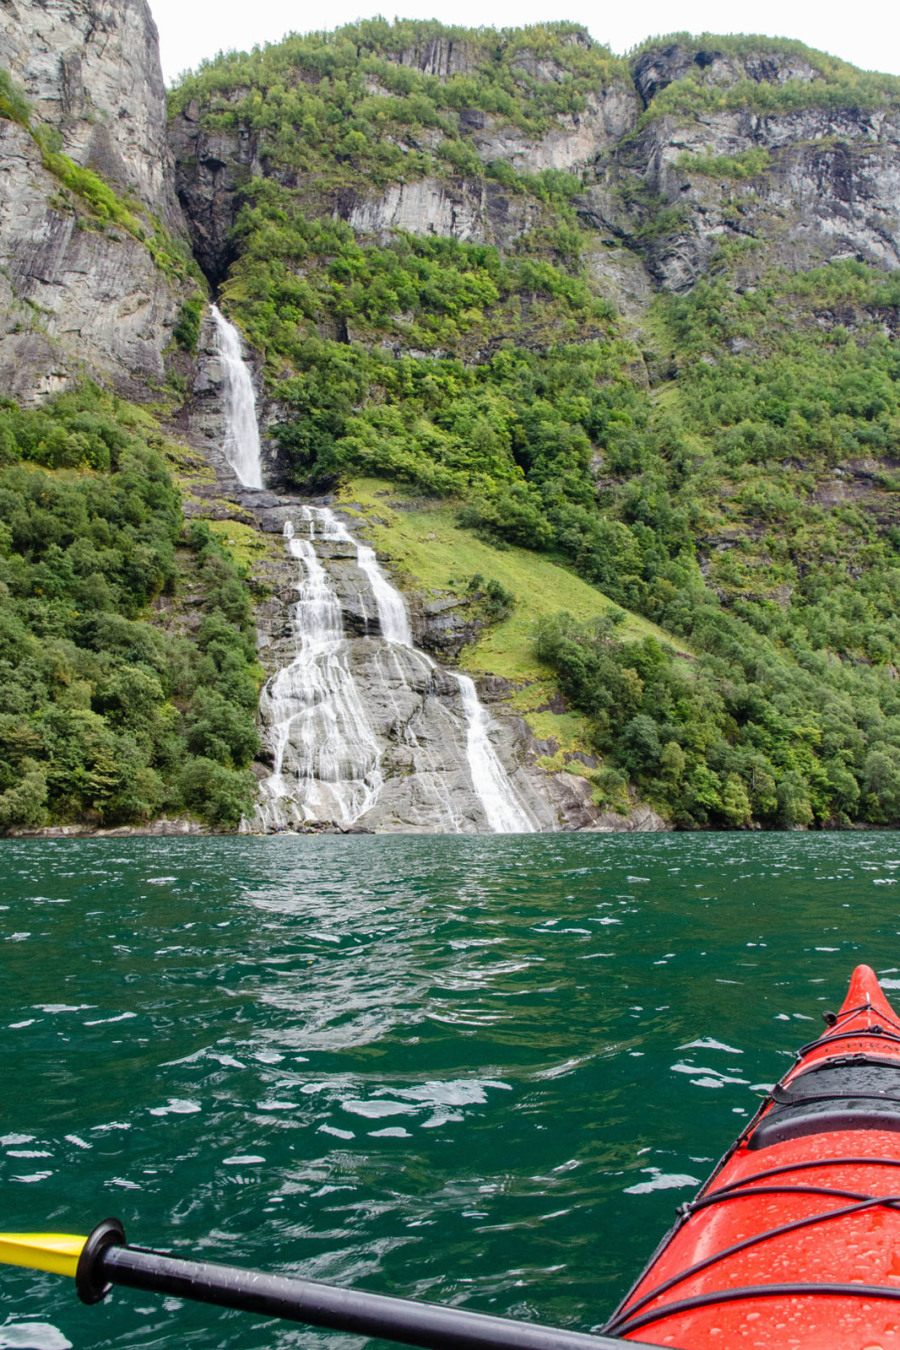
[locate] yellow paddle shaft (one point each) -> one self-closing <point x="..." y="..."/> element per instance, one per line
<point x="56" y="1252"/>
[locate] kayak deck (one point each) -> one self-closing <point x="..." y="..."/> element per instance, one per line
<point x="795" y="1239"/>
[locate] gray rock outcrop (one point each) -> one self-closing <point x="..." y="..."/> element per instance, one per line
<point x="81" y="296"/>
<point x="91" y="70"/>
<point x="74" y="302"/>
<point x="575" y="142"/>
<point x="826" y="183"/>
<point x="412" y="715"/>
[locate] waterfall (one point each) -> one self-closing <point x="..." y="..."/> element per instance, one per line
<point x="316" y="712"/>
<point x="241" y="447"/>
<point x="340" y="707"/>
<point x="325" y="745"/>
<point x="504" y="813"/>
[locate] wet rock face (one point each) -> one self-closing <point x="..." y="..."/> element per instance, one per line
<point x="210" y="171"/>
<point x="201" y="419"/>
<point x="83" y="302"/>
<point x="416" y="719"/>
<point x="73" y="302"/>
<point x="91" y="69"/>
<point x="377" y="734"/>
<point x="444" y="626"/>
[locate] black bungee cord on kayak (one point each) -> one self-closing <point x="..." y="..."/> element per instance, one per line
<point x="811" y="1220"/>
<point x="753" y="1291"/>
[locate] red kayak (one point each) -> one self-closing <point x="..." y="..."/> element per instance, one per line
<point x="795" y="1239"/>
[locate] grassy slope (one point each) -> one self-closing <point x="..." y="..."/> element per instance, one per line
<point x="434" y="555"/>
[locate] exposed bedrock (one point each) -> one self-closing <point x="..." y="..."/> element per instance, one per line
<point x="91" y="69"/>
<point x="825" y="184"/>
<point x="213" y="167"/>
<point x="210" y="171"/>
<point x="80" y="297"/>
<point x="415" y="719"/>
<point x="74" y="302"/>
<point x="657" y="67"/>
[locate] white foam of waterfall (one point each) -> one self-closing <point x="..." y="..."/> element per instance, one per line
<point x="393" y="619"/>
<point x="314" y="706"/>
<point x="504" y="812"/>
<point x="241" y="447"/>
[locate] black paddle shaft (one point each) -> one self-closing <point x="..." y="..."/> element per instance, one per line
<point x="104" y="1263"/>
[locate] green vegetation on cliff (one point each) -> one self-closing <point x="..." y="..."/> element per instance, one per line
<point x="105" y="714"/>
<point x="724" y="465"/>
<point x="338" y="104"/>
<point x="724" y="468"/>
<point x="816" y="79"/>
<point x="90" y="196"/>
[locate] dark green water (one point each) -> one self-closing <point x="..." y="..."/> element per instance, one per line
<point x="481" y="1071"/>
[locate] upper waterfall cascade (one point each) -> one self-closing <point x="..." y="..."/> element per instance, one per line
<point x="363" y="730"/>
<point x="241" y="447"/>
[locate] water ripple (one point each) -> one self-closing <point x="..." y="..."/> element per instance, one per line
<point x="443" y="1067"/>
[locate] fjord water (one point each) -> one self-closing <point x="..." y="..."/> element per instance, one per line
<point x="480" y="1070"/>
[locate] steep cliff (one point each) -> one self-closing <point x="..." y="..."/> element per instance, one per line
<point x="760" y="143"/>
<point x="92" y="268"/>
<point x="556" y="101"/>
<point x="92" y="71"/>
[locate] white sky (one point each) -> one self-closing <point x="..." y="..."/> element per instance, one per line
<point x="868" y="37"/>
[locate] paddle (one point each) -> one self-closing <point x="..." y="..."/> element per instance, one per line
<point x="103" y="1259"/>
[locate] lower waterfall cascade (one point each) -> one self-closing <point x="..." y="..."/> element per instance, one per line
<point x="362" y="731"/>
<point x="329" y="737"/>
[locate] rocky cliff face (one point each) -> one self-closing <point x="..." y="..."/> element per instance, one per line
<point x="211" y="169"/>
<point x="92" y="71"/>
<point x="799" y="184"/>
<point x="214" y="165"/>
<point x="75" y="302"/>
<point x="803" y="178"/>
<point x="79" y="295"/>
<point x="658" y="67"/>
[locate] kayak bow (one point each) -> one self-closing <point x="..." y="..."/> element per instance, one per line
<point x="795" y="1238"/>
